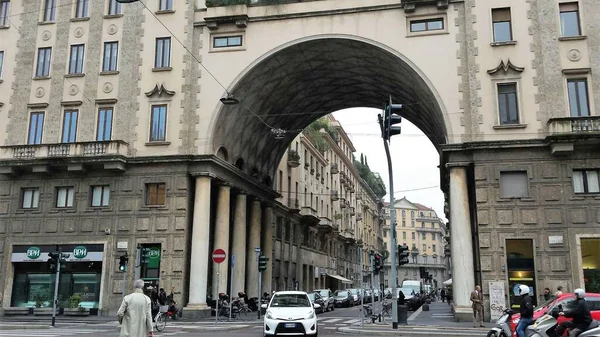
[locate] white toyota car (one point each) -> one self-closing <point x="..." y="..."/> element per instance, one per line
<point x="290" y="313"/>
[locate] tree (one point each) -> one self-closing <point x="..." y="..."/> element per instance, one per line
<point x="372" y="179"/>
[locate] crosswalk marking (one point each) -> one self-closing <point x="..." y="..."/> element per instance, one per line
<point x="48" y="332"/>
<point x="332" y="320"/>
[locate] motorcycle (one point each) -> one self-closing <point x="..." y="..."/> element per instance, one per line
<point x="546" y="325"/>
<point x="502" y="328"/>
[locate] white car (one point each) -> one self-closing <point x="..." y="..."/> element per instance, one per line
<point x="290" y="313"/>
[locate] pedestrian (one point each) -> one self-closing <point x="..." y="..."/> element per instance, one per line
<point x="477" y="299"/>
<point x="547" y="294"/>
<point x="134" y="313"/>
<point x="443" y="295"/>
<point x="525" y="309"/>
<point x="559" y="291"/>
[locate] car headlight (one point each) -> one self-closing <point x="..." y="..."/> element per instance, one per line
<point x="269" y="315"/>
<point x="311" y="315"/>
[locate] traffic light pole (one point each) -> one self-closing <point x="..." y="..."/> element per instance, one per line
<point x="394" y="243"/>
<point x="54" y="302"/>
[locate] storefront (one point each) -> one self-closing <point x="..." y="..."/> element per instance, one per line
<point x="34" y="282"/>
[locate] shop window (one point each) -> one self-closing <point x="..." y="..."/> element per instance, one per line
<point x="514" y="184"/>
<point x="155" y="194"/>
<point x="65" y="197"/>
<point x="100" y="196"/>
<point x="569" y="19"/>
<point x="31" y="198"/>
<point x="586" y="181"/>
<point x="520" y="265"/>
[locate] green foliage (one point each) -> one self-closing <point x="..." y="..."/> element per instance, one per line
<point x="372" y="179"/>
<point x="313" y="133"/>
<point x="74" y="301"/>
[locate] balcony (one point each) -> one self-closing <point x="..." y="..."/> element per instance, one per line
<point x="293" y="204"/>
<point x="334" y="169"/>
<point x="564" y="132"/>
<point x="74" y="156"/>
<point x="326" y="224"/>
<point x="334" y="195"/>
<point x="293" y="158"/>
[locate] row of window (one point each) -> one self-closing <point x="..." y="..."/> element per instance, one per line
<point x="81" y="8"/>
<point x="99" y="196"/>
<point x="515" y="184"/>
<point x="508" y="103"/>
<point x="158" y="125"/>
<point x="570" y="25"/>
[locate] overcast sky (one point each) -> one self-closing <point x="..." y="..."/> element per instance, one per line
<point x="414" y="158"/>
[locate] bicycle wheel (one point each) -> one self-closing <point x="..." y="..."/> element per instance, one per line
<point x="161" y="322"/>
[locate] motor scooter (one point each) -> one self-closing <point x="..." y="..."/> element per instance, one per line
<point x="546" y="325"/>
<point x="502" y="328"/>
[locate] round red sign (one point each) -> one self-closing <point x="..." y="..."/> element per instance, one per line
<point x="219" y="255"/>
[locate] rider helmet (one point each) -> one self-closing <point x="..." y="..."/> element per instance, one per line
<point x="579" y="293"/>
<point x="522" y="290"/>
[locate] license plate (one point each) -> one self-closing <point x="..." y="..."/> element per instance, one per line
<point x="290" y="325"/>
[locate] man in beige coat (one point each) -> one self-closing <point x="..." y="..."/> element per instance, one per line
<point x="135" y="313"/>
<point x="477" y="299"/>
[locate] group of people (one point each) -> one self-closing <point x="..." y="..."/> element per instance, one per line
<point x="137" y="311"/>
<point x="580" y="313"/>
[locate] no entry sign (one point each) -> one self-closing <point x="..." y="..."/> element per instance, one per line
<point x="218" y="255"/>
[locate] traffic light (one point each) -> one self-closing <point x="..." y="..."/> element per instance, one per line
<point x="377" y="264"/>
<point x="262" y="263"/>
<point x="391" y="116"/>
<point x="123" y="261"/>
<point x="402" y="255"/>
<point x="52" y="261"/>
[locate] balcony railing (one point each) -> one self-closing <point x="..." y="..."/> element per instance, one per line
<point x="334" y="195"/>
<point x="81" y="149"/>
<point x="574" y="125"/>
<point x="309" y="211"/>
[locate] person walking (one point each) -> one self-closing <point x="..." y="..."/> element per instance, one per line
<point x="477" y="299"/>
<point x="559" y="291"/>
<point x="443" y="295"/>
<point x="135" y="313"/>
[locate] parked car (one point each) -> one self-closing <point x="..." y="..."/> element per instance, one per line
<point x="316" y="298"/>
<point x="290" y="312"/>
<point x="355" y="296"/>
<point x="343" y="298"/>
<point x="327" y="296"/>
<point x="567" y="300"/>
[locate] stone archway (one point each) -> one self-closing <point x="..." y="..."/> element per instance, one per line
<point x="304" y="80"/>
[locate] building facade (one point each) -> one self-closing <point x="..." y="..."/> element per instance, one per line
<point x="96" y="94"/>
<point x="424" y="233"/>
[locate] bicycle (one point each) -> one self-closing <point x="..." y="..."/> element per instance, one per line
<point x="160" y="321"/>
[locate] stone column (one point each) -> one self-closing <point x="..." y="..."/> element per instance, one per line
<point x="267" y="247"/>
<point x="239" y="245"/>
<point x="222" y="239"/>
<point x="463" y="280"/>
<point x="251" y="256"/>
<point x="199" y="250"/>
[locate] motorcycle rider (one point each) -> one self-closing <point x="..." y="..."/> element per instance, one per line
<point x="526" y="309"/>
<point x="580" y="314"/>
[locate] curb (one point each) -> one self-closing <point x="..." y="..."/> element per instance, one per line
<point x="23" y="327"/>
<point x="424" y="332"/>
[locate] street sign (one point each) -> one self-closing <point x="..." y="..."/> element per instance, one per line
<point x="218" y="255"/>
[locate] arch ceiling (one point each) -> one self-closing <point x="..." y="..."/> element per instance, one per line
<point x="323" y="75"/>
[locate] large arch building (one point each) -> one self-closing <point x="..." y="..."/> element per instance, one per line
<point x="113" y="135"/>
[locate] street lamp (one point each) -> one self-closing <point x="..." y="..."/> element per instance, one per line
<point x="229" y="100"/>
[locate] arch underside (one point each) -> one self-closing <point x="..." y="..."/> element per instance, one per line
<point x="300" y="83"/>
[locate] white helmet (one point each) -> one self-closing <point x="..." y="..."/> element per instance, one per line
<point x="579" y="293"/>
<point x="522" y="290"/>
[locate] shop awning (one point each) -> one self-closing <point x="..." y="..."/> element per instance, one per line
<point x="344" y="280"/>
<point x="448" y="282"/>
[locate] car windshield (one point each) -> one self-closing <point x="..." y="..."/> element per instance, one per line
<point x="324" y="293"/>
<point x="341" y="293"/>
<point x="290" y="300"/>
<point x="353" y="291"/>
<point x="406" y="291"/>
<point x="312" y="296"/>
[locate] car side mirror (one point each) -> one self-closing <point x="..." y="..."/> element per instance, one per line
<point x="263" y="306"/>
<point x="317" y="306"/>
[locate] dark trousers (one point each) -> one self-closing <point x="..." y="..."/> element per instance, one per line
<point x="574" y="331"/>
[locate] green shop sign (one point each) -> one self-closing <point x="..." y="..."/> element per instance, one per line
<point x="33" y="252"/>
<point x="153" y="257"/>
<point x="80" y="252"/>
